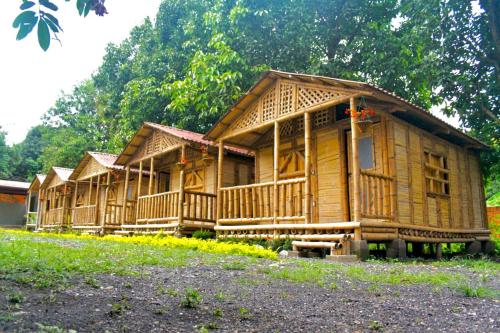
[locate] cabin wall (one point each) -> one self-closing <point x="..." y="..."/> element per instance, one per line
<point x="462" y="207"/>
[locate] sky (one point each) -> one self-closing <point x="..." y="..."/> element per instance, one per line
<point x="31" y="79"/>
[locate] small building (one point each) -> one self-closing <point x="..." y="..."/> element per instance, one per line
<point x="55" y="199"/>
<point x="341" y="163"/>
<point x="178" y="195"/>
<point x="100" y="203"/>
<point x="33" y="202"/>
<point x="13" y="203"/>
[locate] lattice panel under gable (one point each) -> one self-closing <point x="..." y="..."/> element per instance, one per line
<point x="269" y="105"/>
<point x="249" y="119"/>
<point x="310" y="96"/>
<point x="286" y="98"/>
<point x="159" y="141"/>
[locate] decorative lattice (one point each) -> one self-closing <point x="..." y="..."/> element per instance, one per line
<point x="269" y="105"/>
<point x="308" y="97"/>
<point x="158" y="141"/>
<point x="287" y="128"/>
<point x="322" y="118"/>
<point x="92" y="168"/>
<point x="250" y="118"/>
<point x="286" y="98"/>
<point x="300" y="124"/>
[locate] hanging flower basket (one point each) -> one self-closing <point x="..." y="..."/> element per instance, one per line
<point x="363" y="115"/>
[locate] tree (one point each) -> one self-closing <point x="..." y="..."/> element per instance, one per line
<point x="5" y="172"/>
<point x="47" y="24"/>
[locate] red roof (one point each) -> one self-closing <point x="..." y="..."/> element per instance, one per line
<point x="106" y="160"/>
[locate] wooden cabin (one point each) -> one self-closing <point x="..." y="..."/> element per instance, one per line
<point x="178" y="195"/>
<point x="55" y="199"/>
<point x="33" y="202"/>
<point x="13" y="203"/>
<point x="342" y="163"/>
<point x="99" y="202"/>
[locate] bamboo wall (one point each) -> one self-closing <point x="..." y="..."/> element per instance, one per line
<point x="462" y="208"/>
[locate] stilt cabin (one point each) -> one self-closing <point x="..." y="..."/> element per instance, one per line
<point x="100" y="202"/>
<point x="33" y="202"/>
<point x="178" y="195"/>
<point x="55" y="199"/>
<point x="342" y="163"/>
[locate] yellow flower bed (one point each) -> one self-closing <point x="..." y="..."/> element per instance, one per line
<point x="208" y="246"/>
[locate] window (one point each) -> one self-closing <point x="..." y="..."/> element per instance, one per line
<point x="436" y="173"/>
<point x="365" y="150"/>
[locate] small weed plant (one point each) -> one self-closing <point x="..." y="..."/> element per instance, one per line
<point x="192" y="298"/>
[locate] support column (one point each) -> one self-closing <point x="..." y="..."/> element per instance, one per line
<point x="276" y="171"/>
<point x="220" y="169"/>
<point x="38" y="209"/>
<point x="73" y="203"/>
<point x="355" y="169"/>
<point x="63" y="198"/>
<point x="151" y="175"/>
<point x="307" y="167"/>
<point x="29" y="203"/>
<point x="97" y="196"/>
<point x="125" y="192"/>
<point x="180" y="210"/>
<point x="90" y="191"/>
<point x="106" y="197"/>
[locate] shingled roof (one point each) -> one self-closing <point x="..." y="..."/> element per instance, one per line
<point x="62" y="173"/>
<point x="36" y="182"/>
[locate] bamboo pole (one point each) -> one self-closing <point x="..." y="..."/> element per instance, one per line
<point x="276" y="171"/>
<point x="63" y="198"/>
<point x="220" y="164"/>
<point x="181" y="186"/>
<point x="106" y="197"/>
<point x="125" y="191"/>
<point x="38" y="209"/>
<point x="151" y="175"/>
<point x="97" y="197"/>
<point x="139" y="182"/>
<point x="307" y="167"/>
<point x="28" y="210"/>
<point x="355" y="168"/>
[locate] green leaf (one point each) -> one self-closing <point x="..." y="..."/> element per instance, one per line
<point x="51" y="25"/>
<point x="43" y="35"/>
<point x="48" y="4"/>
<point x="26" y="5"/>
<point x="26" y="16"/>
<point x="53" y="19"/>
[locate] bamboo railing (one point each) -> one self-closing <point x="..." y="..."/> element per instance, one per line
<point x="255" y="202"/>
<point x="84" y="215"/>
<point x="375" y="195"/>
<point x="56" y="217"/>
<point x="113" y="214"/>
<point x="164" y="207"/>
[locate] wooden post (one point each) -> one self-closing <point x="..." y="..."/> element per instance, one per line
<point x="97" y="197"/>
<point x="125" y="190"/>
<point x="181" y="186"/>
<point x="63" y="198"/>
<point x="220" y="183"/>
<point x="90" y="191"/>
<point x="356" y="172"/>
<point x="38" y="209"/>
<point x="307" y="167"/>
<point x="139" y="181"/>
<point x="276" y="171"/>
<point x="29" y="204"/>
<point x="73" y="202"/>
<point x="151" y="175"/>
<point x="106" y="197"/>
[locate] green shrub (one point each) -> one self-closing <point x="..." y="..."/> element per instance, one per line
<point x="192" y="298"/>
<point x="204" y="234"/>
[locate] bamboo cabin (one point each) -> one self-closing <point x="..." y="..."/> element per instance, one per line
<point x="342" y="163"/>
<point x="33" y="202"/>
<point x="178" y="196"/>
<point x="55" y="199"/>
<point x="100" y="203"/>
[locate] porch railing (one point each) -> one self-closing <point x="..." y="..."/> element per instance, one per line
<point x="255" y="202"/>
<point x="57" y="216"/>
<point x="164" y="207"/>
<point x="375" y="195"/>
<point x="113" y="215"/>
<point x="85" y="215"/>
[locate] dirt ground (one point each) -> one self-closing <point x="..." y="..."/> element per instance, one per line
<point x="246" y="300"/>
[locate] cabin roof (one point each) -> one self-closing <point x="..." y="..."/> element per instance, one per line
<point x="13" y="187"/>
<point x="412" y="113"/>
<point x="62" y="173"/>
<point x="36" y="182"/>
<point x="146" y="129"/>
<point x="104" y="159"/>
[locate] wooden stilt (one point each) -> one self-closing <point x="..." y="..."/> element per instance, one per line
<point x="125" y="191"/>
<point x="307" y="168"/>
<point x="356" y="172"/>
<point x="276" y="171"/>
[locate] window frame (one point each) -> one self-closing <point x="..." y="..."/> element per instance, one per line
<point x="436" y="177"/>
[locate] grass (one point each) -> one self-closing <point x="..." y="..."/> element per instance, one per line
<point x="49" y="260"/>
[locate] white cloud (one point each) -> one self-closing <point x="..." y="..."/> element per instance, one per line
<point x="31" y="80"/>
